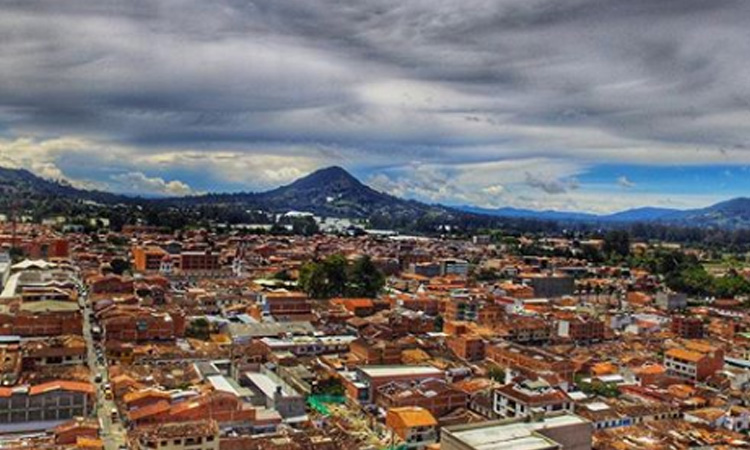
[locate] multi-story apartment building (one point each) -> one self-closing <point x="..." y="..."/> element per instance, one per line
<point x="148" y="258"/>
<point x="687" y="327"/>
<point x="199" y="262"/>
<point x="694" y="361"/>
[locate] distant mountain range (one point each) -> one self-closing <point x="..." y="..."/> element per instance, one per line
<point x="730" y="214"/>
<point x="334" y="192"/>
<point x="646" y="214"/>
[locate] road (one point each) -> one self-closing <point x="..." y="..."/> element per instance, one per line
<point x="112" y="433"/>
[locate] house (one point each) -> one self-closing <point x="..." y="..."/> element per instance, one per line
<point x="531" y="360"/>
<point x="283" y="306"/>
<point x="362" y="384"/>
<point x="55" y="351"/>
<point x="528" y="398"/>
<point x="434" y="395"/>
<point x="733" y="418"/>
<point x="695" y="360"/>
<point x="130" y="323"/>
<point x="275" y="394"/>
<point x="70" y="432"/>
<point x="468" y="348"/>
<point x="360" y="307"/>
<point x="415" y="426"/>
<point x="581" y="329"/>
<point x="203" y="434"/>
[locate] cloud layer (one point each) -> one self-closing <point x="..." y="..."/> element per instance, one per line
<point x="504" y="102"/>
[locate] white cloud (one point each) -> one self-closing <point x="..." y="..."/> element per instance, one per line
<point x="623" y="181"/>
<point x="495" y="189"/>
<point x="139" y="183"/>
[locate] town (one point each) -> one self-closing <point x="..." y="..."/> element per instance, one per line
<point x="243" y="339"/>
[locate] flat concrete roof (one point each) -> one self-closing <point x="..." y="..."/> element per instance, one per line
<point x="515" y="435"/>
<point x="390" y="371"/>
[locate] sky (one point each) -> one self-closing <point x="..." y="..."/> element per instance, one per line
<point x="580" y="105"/>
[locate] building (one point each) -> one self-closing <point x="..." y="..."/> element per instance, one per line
<point x="309" y="345"/>
<point x="55" y="351"/>
<point x="468" y="348"/>
<point x="71" y="432"/>
<point x="527" y="330"/>
<point x="434" y="395"/>
<point x="528" y="398"/>
<point x="671" y="301"/>
<point x="360" y="307"/>
<point x="376" y="352"/>
<point x="415" y="426"/>
<point x="5" y="264"/>
<point x="222" y="406"/>
<point x="531" y="360"/>
<point x="552" y="286"/>
<point x="283" y="306"/>
<point x="192" y="262"/>
<point x="458" y="267"/>
<point x="362" y="384"/>
<point x="43" y="406"/>
<point x="148" y="258"/>
<point x="129" y="323"/>
<point x="560" y="432"/>
<point x="276" y="395"/>
<point x="581" y="329"/>
<point x="694" y="361"/>
<point x="687" y="327"/>
<point x="43" y="318"/>
<point x="111" y="284"/>
<point x="201" y="434"/>
<point x="426" y="269"/>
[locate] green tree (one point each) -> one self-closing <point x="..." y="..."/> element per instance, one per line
<point x="335" y="269"/>
<point x="617" y="243"/>
<point x="439" y="323"/>
<point x="497" y="374"/>
<point x="120" y="266"/>
<point x="282" y="275"/>
<point x="305" y="226"/>
<point x="313" y="280"/>
<point x="365" y="280"/>
<point x="199" y="328"/>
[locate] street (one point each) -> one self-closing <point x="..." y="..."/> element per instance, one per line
<point x="112" y="433"/>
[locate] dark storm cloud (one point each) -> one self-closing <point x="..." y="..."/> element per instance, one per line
<point x="383" y="83"/>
